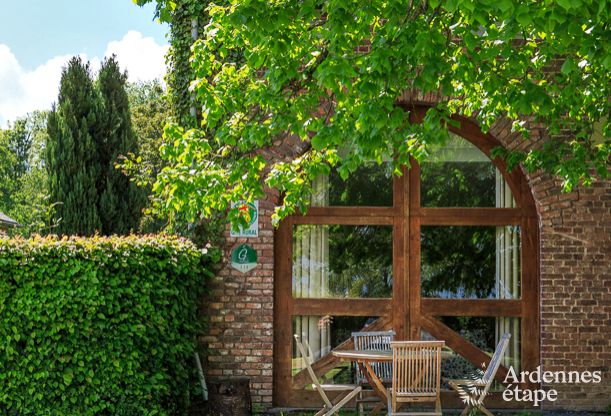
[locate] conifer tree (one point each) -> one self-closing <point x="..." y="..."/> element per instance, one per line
<point x="72" y="157"/>
<point x="120" y="202"/>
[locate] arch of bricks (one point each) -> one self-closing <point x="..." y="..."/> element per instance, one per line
<point x="575" y="285"/>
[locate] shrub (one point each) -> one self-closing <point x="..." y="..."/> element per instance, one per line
<point x="98" y="326"/>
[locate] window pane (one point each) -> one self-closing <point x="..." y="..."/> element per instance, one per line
<point x="369" y="185"/>
<point x="342" y="261"/>
<point x="470" y="262"/>
<point x="484" y="333"/>
<point x="321" y="334"/>
<point x="460" y="175"/>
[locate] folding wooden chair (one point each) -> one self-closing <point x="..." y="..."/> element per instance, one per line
<point x="348" y="390"/>
<point x="372" y="340"/>
<point x="416" y="375"/>
<point x="473" y="392"/>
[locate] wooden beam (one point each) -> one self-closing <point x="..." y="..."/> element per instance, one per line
<point x="413" y="251"/>
<point x="400" y="247"/>
<point x="469" y="216"/>
<point x="342" y="220"/>
<point x="336" y="211"/>
<point x="283" y="244"/>
<point x="341" y="307"/>
<point x="460" y="345"/>
<point x="471" y="307"/>
<point x="530" y="325"/>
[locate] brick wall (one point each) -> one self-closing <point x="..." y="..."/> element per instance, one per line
<point x="576" y="289"/>
<point x="575" y="280"/>
<point x="575" y="232"/>
<point x="240" y="310"/>
<point x="240" y="306"/>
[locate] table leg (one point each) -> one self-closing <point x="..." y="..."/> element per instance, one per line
<point x="376" y="385"/>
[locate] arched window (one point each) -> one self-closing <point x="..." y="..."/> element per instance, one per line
<point x="448" y="250"/>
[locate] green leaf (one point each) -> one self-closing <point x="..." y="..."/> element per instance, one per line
<point x="568" y="66"/>
<point x="505" y="6"/>
<point x="68" y="376"/>
<point x="450" y="5"/>
<point x="318" y="142"/>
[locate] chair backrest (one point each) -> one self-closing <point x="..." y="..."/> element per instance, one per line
<point x="374" y="340"/>
<point x="311" y="372"/>
<point x="495" y="363"/>
<point x="416" y="369"/>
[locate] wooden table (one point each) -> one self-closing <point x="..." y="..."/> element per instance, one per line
<point x="364" y="358"/>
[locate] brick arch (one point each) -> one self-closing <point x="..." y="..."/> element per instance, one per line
<point x="422" y="315"/>
<point x="575" y="232"/>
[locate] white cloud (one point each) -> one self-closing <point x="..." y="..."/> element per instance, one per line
<point x="23" y="91"/>
<point x="143" y="58"/>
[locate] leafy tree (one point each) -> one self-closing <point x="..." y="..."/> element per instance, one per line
<point x="20" y="141"/>
<point x="7" y="184"/>
<point x="72" y="157"/>
<point x="120" y="200"/>
<point x="25" y="195"/>
<point x="333" y="72"/>
<point x="149" y="112"/>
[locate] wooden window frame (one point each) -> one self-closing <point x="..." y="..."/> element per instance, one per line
<point x="407" y="312"/>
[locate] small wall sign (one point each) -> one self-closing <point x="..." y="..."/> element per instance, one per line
<point x="251" y="213"/>
<point x="244" y="258"/>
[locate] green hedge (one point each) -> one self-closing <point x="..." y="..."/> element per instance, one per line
<point x="98" y="326"/>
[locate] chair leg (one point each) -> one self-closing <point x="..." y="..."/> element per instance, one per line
<point x="343" y="401"/>
<point x="438" y="406"/>
<point x="466" y="411"/>
<point x="360" y="407"/>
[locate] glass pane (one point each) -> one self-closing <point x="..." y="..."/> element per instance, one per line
<point x="319" y="335"/>
<point x="369" y="185"/>
<point x="470" y="262"/>
<point x="342" y="261"/>
<point x="460" y="175"/>
<point x="484" y="333"/>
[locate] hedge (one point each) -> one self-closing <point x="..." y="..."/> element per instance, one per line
<point x="99" y="326"/>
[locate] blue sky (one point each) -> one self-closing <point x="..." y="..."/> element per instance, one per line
<point x="38" y="37"/>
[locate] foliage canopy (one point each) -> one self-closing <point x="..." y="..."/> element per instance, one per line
<point x="331" y="72"/>
<point x="24" y="193"/>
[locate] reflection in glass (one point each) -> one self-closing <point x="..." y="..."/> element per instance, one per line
<point x="484" y="333"/>
<point x="321" y="334"/>
<point x="369" y="185"/>
<point x="470" y="262"/>
<point x="458" y="174"/>
<point x="342" y="261"/>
